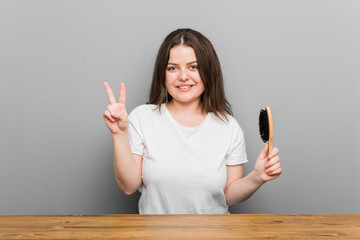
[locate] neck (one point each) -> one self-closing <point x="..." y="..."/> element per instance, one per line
<point x="185" y="108"/>
<point x="187" y="114"/>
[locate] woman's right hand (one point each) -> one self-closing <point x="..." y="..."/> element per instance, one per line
<point x="115" y="115"/>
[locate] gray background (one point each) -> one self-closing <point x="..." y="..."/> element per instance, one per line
<point x="299" y="57"/>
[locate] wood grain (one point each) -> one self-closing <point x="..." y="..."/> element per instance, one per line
<point x="270" y="122"/>
<point x="234" y="226"/>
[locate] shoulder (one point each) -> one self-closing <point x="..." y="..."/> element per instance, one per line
<point x="230" y="125"/>
<point x="146" y="116"/>
<point x="234" y="124"/>
<point x="229" y="121"/>
<point x="145" y="111"/>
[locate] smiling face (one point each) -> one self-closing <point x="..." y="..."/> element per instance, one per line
<point x="182" y="78"/>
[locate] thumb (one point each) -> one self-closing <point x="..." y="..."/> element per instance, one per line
<point x="264" y="151"/>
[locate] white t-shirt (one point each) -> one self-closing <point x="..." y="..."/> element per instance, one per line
<point x="184" y="168"/>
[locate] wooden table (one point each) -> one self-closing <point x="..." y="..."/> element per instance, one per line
<point x="234" y="226"/>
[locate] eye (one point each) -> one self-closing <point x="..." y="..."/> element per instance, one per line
<point x="193" y="67"/>
<point x="171" y="68"/>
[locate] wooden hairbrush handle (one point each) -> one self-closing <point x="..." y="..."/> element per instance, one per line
<point x="270" y="128"/>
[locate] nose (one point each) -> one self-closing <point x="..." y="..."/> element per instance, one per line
<point x="183" y="75"/>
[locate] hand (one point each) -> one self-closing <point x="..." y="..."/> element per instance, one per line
<point x="268" y="166"/>
<point x="115" y="115"/>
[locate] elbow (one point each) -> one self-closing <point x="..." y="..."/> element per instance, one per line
<point x="231" y="198"/>
<point x="128" y="192"/>
<point x="228" y="201"/>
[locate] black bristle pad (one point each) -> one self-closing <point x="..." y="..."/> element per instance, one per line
<point x="264" y="125"/>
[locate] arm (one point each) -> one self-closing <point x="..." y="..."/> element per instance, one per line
<point x="127" y="166"/>
<point x="239" y="189"/>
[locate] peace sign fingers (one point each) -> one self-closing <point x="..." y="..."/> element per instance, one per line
<point x="122" y="97"/>
<point x="115" y="115"/>
<point x="109" y="93"/>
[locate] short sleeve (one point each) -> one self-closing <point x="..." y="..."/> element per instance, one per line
<point x="134" y="132"/>
<point x="237" y="151"/>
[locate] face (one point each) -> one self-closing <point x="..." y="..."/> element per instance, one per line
<point x="182" y="79"/>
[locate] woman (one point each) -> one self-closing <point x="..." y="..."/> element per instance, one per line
<point x="183" y="150"/>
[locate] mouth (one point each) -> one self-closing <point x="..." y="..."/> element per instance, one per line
<point x="185" y="86"/>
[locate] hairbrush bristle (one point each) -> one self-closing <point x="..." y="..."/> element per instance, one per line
<point x="264" y="125"/>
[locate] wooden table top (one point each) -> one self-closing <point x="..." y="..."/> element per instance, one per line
<point x="230" y="226"/>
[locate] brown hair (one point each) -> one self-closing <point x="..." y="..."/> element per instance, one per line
<point x="213" y="98"/>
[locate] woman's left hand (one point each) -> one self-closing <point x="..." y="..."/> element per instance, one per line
<point x="268" y="165"/>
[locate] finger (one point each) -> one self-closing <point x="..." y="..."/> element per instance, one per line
<point x="112" y="111"/>
<point x="122" y="98"/>
<point x="272" y="161"/>
<point x="273" y="168"/>
<point x="264" y="150"/>
<point x="108" y="115"/>
<point x="275" y="172"/>
<point x="274" y="152"/>
<point x="110" y="94"/>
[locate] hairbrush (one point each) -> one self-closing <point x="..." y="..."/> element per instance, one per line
<point x="266" y="126"/>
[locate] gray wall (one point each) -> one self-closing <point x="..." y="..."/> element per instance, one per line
<point x="299" y="57"/>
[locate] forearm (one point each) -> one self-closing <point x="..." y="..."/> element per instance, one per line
<point x="242" y="189"/>
<point x="126" y="171"/>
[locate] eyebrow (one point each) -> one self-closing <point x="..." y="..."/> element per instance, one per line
<point x="186" y="64"/>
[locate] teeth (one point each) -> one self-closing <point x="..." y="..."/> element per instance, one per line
<point x="183" y="87"/>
